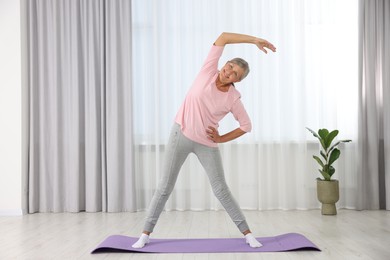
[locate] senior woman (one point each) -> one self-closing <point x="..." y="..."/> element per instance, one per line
<point x="211" y="96"/>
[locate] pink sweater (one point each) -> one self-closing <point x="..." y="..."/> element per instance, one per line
<point x="205" y="105"/>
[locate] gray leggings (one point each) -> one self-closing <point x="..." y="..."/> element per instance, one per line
<point x="179" y="147"/>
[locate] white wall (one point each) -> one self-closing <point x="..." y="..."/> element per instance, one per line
<point x="10" y="108"/>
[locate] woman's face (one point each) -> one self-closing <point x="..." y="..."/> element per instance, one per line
<point x="230" y="73"/>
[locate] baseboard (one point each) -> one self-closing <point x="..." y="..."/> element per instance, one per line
<point x="11" y="212"/>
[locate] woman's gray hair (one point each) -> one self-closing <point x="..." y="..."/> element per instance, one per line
<point x="243" y="65"/>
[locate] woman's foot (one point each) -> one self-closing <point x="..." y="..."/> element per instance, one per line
<point x="252" y="241"/>
<point x="142" y="241"/>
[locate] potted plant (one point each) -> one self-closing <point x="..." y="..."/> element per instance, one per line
<point x="327" y="188"/>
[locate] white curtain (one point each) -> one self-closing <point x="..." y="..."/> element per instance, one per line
<point x="310" y="81"/>
<point x="77" y="112"/>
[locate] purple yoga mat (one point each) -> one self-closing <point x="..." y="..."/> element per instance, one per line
<point x="285" y="242"/>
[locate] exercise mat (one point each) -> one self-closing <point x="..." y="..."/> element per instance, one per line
<point x="284" y="242"/>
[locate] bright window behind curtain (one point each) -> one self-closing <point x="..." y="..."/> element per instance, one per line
<point x="310" y="81"/>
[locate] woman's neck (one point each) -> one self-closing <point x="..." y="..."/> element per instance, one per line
<point x="224" y="87"/>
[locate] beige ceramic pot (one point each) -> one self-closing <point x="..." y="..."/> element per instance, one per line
<point x="328" y="195"/>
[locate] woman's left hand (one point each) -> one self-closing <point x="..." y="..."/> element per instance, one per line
<point x="263" y="44"/>
<point x="213" y="135"/>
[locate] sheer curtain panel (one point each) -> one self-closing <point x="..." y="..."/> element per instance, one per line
<point x="310" y="81"/>
<point x="77" y="112"/>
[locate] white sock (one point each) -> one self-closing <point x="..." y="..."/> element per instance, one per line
<point x="251" y="240"/>
<point x="142" y="241"/>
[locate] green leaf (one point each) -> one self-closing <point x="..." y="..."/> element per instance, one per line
<point x="318" y="160"/>
<point x="326" y="168"/>
<point x="314" y="133"/>
<point x="331" y="171"/>
<point x="341" y="141"/>
<point x="323" y="144"/>
<point x="324" y="156"/>
<point x="325" y="174"/>
<point x="323" y="133"/>
<point x="330" y="137"/>
<point x="334" y="156"/>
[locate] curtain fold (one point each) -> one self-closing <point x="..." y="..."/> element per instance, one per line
<point x="374" y="109"/>
<point x="120" y="179"/>
<point x="78" y="115"/>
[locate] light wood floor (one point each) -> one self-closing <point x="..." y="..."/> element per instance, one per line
<point x="349" y="235"/>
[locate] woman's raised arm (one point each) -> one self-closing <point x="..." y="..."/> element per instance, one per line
<point x="230" y="38"/>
